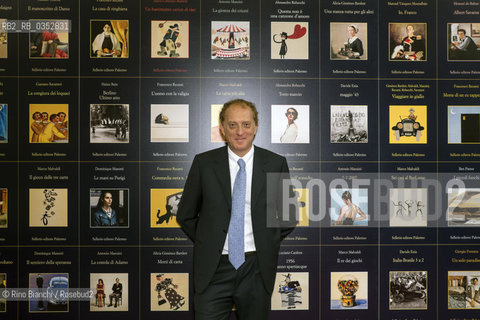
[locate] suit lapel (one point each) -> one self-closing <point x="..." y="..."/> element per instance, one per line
<point x="222" y="170"/>
<point x="258" y="176"/>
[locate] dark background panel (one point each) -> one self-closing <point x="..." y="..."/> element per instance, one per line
<point x="349" y="92"/>
<point x="168" y="177"/>
<point x="290" y="93"/>
<point x="10" y="219"/>
<point x="33" y="261"/>
<point x="245" y="11"/>
<point x="91" y="12"/>
<point x="113" y="261"/>
<point x="460" y="227"/>
<point x="40" y="66"/>
<point x="8" y="66"/>
<point x="167" y="261"/>
<point x="170" y="67"/>
<point x="307" y="231"/>
<point x="409" y="258"/>
<point x="273" y="65"/>
<point x="38" y="175"/>
<point x="459" y="260"/>
<point x="46" y="91"/>
<point x="457" y="97"/>
<point x="390" y="68"/>
<point x="114" y="176"/>
<point x="451" y="13"/>
<point x="9" y="149"/>
<point x="336" y="12"/>
<point x="347" y="259"/>
<point x="416" y="95"/>
<point x="297" y="260"/>
<point x="170" y="92"/>
<point x="109" y="91"/>
<point x="148" y="165"/>
<point x="9" y="256"/>
<point x="414" y="226"/>
<point x="350" y="169"/>
<point x="336" y="177"/>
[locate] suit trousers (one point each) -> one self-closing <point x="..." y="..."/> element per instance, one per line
<point x="242" y="287"/>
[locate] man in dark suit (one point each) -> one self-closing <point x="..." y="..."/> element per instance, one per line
<point x="116" y="292"/>
<point x="225" y="186"/>
<point x="465" y="48"/>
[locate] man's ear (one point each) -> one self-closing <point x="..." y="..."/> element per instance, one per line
<point x="222" y="130"/>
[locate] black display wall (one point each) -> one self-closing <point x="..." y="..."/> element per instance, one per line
<point x="115" y="97"/>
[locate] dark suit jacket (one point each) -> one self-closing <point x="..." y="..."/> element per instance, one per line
<point x="205" y="207"/>
<point x="417" y="44"/>
<point x="117" y="288"/>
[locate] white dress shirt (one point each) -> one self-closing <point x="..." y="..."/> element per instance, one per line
<point x="234" y="167"/>
<point x="464" y="43"/>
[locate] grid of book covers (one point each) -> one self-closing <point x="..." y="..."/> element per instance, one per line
<point x="375" y="105"/>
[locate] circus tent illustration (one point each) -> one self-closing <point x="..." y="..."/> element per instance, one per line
<point x="230" y="41"/>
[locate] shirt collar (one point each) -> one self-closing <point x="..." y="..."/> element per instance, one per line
<point x="110" y="211"/>
<point x="232" y="156"/>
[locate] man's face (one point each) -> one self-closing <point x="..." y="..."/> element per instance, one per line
<point x="45" y="116"/>
<point x="461" y="35"/>
<point x="37" y="115"/>
<point x="61" y="117"/>
<point x="239" y="128"/>
<point x="55" y="120"/>
<point x="117" y="280"/>
<point x="410" y="30"/>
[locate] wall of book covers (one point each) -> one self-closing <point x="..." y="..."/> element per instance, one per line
<point x="109" y="101"/>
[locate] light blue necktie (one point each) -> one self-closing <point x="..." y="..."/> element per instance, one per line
<point x="236" y="245"/>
